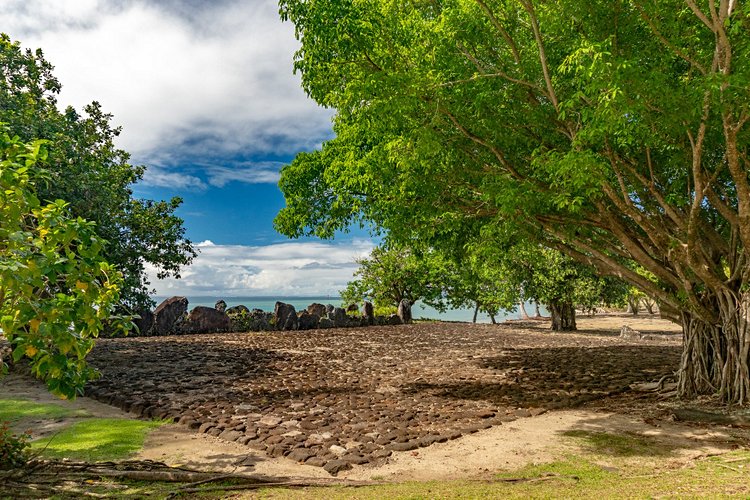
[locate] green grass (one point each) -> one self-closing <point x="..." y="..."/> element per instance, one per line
<point x="96" y="439"/>
<point x="12" y="410"/>
<point x="619" y="445"/>
<point x="573" y="477"/>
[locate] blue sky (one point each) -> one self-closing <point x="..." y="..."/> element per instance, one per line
<point x="208" y="101"/>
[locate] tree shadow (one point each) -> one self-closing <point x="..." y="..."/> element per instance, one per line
<point x="560" y="377"/>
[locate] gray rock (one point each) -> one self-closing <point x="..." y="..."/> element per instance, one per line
<point x="206" y="320"/>
<point x="318" y="309"/>
<point x="220" y="306"/>
<point x="329" y="308"/>
<point x="339" y="317"/>
<point x="285" y="316"/>
<point x="393" y="319"/>
<point x="333" y="467"/>
<point x="325" y="323"/>
<point x="404" y="311"/>
<point x="143" y="324"/>
<point x="169" y="314"/>
<point x="352" y="308"/>
<point x="237" y="310"/>
<point x="307" y="321"/>
<point x="368" y="313"/>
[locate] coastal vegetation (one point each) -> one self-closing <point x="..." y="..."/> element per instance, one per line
<point x="613" y="132"/>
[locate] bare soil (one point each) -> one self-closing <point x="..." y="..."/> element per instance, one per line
<point x="502" y="396"/>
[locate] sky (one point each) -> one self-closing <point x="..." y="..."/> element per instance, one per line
<point x="207" y="100"/>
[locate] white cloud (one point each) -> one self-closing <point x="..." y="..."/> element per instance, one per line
<point x="156" y="176"/>
<point x="284" y="269"/>
<point x="248" y="172"/>
<point x="181" y="77"/>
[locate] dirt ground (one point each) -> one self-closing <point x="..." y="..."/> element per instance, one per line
<point x="527" y="438"/>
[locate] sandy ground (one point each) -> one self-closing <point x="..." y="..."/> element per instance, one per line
<point x="510" y="446"/>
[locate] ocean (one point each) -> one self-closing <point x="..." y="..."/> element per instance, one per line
<point x="419" y="310"/>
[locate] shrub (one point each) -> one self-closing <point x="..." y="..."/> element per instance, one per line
<point x="12" y="448"/>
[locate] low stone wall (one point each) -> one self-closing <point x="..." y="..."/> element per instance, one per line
<point x="171" y="317"/>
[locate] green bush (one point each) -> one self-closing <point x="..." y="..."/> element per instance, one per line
<point x="12" y="448"/>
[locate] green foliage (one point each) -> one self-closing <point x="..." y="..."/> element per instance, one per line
<point x="87" y="170"/>
<point x="391" y="275"/>
<point x="56" y="289"/>
<point x="13" y="447"/>
<point x="97" y="439"/>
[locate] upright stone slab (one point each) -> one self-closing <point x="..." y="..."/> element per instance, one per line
<point x="285" y="316"/>
<point x="143" y="325"/>
<point x="206" y="320"/>
<point x="307" y="321"/>
<point x="318" y="309"/>
<point x="221" y="306"/>
<point x="404" y="311"/>
<point x="169" y="314"/>
<point x="339" y="317"/>
<point x="368" y="313"/>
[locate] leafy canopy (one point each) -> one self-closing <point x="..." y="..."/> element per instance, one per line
<point x="86" y="169"/>
<point x="56" y="289"/>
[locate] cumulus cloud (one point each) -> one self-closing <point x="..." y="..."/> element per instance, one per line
<point x="284" y="269"/>
<point x="183" y="78"/>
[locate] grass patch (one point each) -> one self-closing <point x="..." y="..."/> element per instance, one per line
<point x="574" y="477"/>
<point x="96" y="439"/>
<point x="620" y="445"/>
<point x="12" y="410"/>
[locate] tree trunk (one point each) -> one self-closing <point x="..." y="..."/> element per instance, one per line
<point x="492" y="318"/>
<point x="537" y="314"/>
<point x="476" y="311"/>
<point x="633" y="306"/>
<point x="716" y="358"/>
<point x="563" y="316"/>
<point x="522" y="306"/>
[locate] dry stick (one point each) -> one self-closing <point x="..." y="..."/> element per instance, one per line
<point x="282" y="484"/>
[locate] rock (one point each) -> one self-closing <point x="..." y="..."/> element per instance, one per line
<point x="143" y="324"/>
<point x="285" y="316"/>
<point x="206" y="320"/>
<point x="325" y="323"/>
<point x="382" y="453"/>
<point x="404" y="311"/>
<point x="629" y="333"/>
<point x="230" y="435"/>
<point x="220" y="306"/>
<point x="352" y="308"/>
<point x="329" y="308"/>
<point x="407" y="446"/>
<point x="368" y="313"/>
<point x="339" y="317"/>
<point x="234" y="310"/>
<point x="333" y="467"/>
<point x="169" y="314"/>
<point x="300" y="455"/>
<point x="337" y="450"/>
<point x="393" y="319"/>
<point x="318" y="309"/>
<point x="307" y="321"/>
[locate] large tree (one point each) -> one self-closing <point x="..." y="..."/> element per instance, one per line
<point x="86" y="169"/>
<point x="615" y="131"/>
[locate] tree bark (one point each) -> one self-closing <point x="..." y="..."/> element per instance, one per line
<point x="476" y="311"/>
<point x="716" y="358"/>
<point x="522" y="306"/>
<point x="563" y="316"/>
<point x="633" y="306"/>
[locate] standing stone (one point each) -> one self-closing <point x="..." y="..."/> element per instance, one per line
<point x="404" y="311"/>
<point x="143" y="324"/>
<point x="307" y="321"/>
<point x="318" y="309"/>
<point x="169" y="314"/>
<point x="329" y="308"/>
<point x="220" y="306"/>
<point x="206" y="320"/>
<point x="339" y="318"/>
<point x="393" y="319"/>
<point x="352" y="308"/>
<point x="237" y="310"/>
<point x="325" y="323"/>
<point x="285" y="316"/>
<point x="368" y="313"/>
